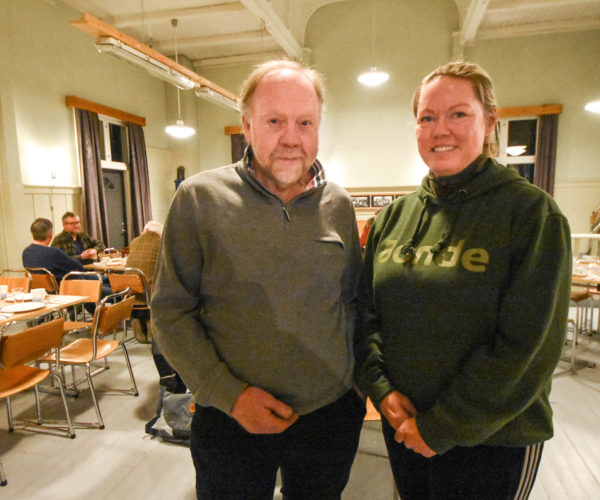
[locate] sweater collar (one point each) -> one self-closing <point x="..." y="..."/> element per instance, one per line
<point x="317" y="172"/>
<point x="445" y="186"/>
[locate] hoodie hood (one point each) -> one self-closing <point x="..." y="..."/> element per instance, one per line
<point x="483" y="175"/>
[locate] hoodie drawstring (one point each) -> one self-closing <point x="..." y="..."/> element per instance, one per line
<point x="409" y="247"/>
<point x="449" y="225"/>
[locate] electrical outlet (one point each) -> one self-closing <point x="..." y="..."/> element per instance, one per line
<point x="53" y="174"/>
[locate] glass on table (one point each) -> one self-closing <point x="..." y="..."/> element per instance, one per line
<point x="18" y="293"/>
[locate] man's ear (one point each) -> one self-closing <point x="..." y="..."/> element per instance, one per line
<point x="246" y="128"/>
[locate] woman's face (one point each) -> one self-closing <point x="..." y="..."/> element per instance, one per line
<point x="451" y="125"/>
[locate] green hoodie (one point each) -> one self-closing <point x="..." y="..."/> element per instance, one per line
<point x="464" y="305"/>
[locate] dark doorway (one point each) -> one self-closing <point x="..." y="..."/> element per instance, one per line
<point x="114" y="191"/>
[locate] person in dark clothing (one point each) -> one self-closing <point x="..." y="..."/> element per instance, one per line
<point x="464" y="303"/>
<point x="41" y="254"/>
<point x="76" y="243"/>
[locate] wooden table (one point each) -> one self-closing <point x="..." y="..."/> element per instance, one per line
<point x="102" y="267"/>
<point x="52" y="303"/>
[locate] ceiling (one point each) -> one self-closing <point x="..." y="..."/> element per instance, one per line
<point x="222" y="32"/>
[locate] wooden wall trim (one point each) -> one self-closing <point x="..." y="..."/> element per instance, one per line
<point x="544" y="109"/>
<point x="233" y="130"/>
<point x="77" y="102"/>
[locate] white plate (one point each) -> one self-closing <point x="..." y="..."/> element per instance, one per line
<point x="23" y="307"/>
<point x="26" y="296"/>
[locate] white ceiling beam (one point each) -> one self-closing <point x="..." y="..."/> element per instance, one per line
<point x="520" y="5"/>
<point x="538" y="29"/>
<point x="212" y="40"/>
<point x="237" y="59"/>
<point x="133" y="20"/>
<point x="475" y="12"/>
<point x="274" y="24"/>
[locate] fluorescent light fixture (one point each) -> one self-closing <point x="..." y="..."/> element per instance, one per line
<point x="216" y="98"/>
<point x="156" y="68"/>
<point x="593" y="106"/>
<point x="179" y="130"/>
<point x="373" y="78"/>
<point x="515" y="150"/>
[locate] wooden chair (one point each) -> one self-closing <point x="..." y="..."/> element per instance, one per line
<point x="15" y="278"/>
<point x="90" y="288"/>
<point x="83" y="351"/>
<point x="40" y="277"/>
<point x="133" y="279"/>
<point x="16" y="351"/>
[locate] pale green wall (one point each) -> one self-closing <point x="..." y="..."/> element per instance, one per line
<point x="43" y="59"/>
<point x="367" y="138"/>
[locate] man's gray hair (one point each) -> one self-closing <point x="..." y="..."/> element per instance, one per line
<point x="262" y="70"/>
<point x="155" y="227"/>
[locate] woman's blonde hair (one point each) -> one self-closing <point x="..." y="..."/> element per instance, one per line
<point x="249" y="86"/>
<point x="482" y="86"/>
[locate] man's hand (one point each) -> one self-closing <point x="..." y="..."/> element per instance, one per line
<point x="260" y="413"/>
<point x="89" y="253"/>
<point x="397" y="408"/>
<point x="408" y="433"/>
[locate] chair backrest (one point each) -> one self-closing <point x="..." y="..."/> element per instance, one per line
<point x="108" y="316"/>
<point x="132" y="278"/>
<point x="30" y="344"/>
<point x="15" y="281"/>
<point x="92" y="287"/>
<point x="42" y="278"/>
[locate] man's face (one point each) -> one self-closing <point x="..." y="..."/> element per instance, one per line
<point x="283" y="130"/>
<point x="72" y="225"/>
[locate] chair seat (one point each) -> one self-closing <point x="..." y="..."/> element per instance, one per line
<point x="81" y="351"/>
<point x="72" y="326"/>
<point x="19" y="378"/>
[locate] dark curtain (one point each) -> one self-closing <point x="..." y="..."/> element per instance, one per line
<point x="546" y="155"/>
<point x="93" y="185"/>
<point x="139" y="180"/>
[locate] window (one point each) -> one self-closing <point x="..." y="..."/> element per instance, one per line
<point x="113" y="143"/>
<point x="518" y="145"/>
<point x="114" y="152"/>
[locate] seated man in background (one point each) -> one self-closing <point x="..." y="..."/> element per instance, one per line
<point x="40" y="254"/>
<point x="143" y="250"/>
<point x="76" y="243"/>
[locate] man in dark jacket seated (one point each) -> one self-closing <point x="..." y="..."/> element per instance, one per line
<point x="41" y="254"/>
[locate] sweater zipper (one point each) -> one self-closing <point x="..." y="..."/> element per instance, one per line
<point x="286" y="214"/>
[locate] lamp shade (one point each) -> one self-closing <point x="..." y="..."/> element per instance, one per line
<point x="179" y="130"/>
<point x="593" y="106"/>
<point x="373" y="78"/>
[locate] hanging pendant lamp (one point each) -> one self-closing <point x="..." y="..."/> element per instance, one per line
<point x="373" y="77"/>
<point x="179" y="130"/>
<point x="593" y="106"/>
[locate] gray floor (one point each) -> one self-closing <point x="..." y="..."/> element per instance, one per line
<point x="121" y="461"/>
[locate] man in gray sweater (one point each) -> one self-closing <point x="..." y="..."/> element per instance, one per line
<point x="253" y="303"/>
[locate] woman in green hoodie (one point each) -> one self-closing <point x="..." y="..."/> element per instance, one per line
<point x="465" y="296"/>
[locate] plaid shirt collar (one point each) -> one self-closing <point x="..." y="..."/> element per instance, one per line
<point x="317" y="171"/>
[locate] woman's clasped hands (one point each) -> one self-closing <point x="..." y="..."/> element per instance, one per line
<point x="401" y="413"/>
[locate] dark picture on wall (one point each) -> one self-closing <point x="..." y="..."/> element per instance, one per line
<point x="381" y="200"/>
<point x="360" y="200"/>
